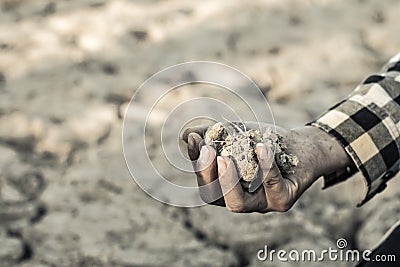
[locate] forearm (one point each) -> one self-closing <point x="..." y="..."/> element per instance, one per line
<point x="367" y="125"/>
<point x="332" y="156"/>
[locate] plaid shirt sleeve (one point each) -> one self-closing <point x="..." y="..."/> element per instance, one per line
<point x="367" y="124"/>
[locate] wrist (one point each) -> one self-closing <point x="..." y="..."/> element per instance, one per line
<point x="331" y="155"/>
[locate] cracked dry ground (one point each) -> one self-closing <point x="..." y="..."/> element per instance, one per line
<point x="67" y="71"/>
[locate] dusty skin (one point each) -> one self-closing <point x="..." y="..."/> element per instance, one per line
<point x="234" y="140"/>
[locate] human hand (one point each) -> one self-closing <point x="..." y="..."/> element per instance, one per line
<point x="318" y="154"/>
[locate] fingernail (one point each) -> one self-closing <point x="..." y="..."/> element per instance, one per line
<point x="205" y="154"/>
<point x="262" y="150"/>
<point x="221" y="162"/>
<point x="190" y="142"/>
<point x="202" y="143"/>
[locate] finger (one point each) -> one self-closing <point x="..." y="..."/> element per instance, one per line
<point x="264" y="165"/>
<point x="194" y="141"/>
<point x="230" y="185"/>
<point x="206" y="165"/>
<point x="269" y="171"/>
<point x="200" y="130"/>
<point x="206" y="171"/>
<point x="275" y="189"/>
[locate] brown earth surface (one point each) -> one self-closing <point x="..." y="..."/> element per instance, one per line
<point x="68" y="70"/>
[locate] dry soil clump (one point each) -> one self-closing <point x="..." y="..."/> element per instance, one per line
<point x="234" y="140"/>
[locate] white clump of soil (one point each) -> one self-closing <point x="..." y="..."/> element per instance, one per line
<point x="232" y="139"/>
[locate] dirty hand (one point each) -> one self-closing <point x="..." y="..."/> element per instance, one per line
<point x="318" y="154"/>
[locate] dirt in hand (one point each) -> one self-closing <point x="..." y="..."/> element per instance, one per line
<point x="234" y="140"/>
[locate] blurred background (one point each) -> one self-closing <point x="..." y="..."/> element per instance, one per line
<point x="69" y="68"/>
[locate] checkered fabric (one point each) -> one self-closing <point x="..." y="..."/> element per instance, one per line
<point x="367" y="124"/>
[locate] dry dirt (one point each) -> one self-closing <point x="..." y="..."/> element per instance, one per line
<point x="232" y="139"/>
<point x="68" y="69"/>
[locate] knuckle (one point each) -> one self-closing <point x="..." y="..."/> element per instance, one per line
<point x="205" y="196"/>
<point x="236" y="208"/>
<point x="284" y="206"/>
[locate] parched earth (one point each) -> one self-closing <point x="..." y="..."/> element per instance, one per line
<point x="68" y="70"/>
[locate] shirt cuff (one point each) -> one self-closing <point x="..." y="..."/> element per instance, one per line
<point x="367" y="125"/>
